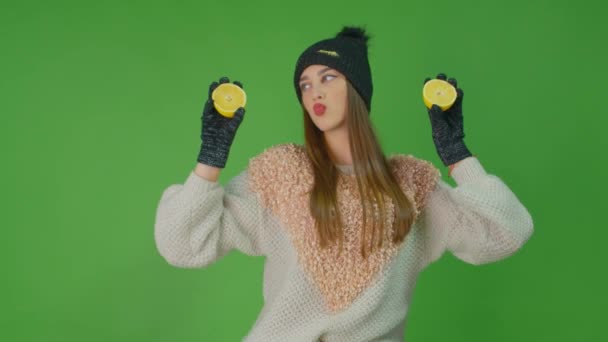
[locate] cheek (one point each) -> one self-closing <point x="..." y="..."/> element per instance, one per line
<point x="341" y="96"/>
<point x="307" y="106"/>
<point x="305" y="102"/>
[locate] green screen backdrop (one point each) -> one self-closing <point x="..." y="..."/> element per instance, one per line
<point x="100" y="112"/>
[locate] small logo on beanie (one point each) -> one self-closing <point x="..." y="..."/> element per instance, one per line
<point x="331" y="53"/>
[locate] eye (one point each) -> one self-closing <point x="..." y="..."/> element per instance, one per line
<point x="303" y="86"/>
<point x="324" y="76"/>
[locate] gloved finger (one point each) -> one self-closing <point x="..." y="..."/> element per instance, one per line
<point x="236" y="120"/>
<point x="453" y="118"/>
<point x="208" y="109"/>
<point x="453" y="82"/>
<point x="426" y="80"/>
<point x="435" y="109"/>
<point x="459" y="94"/>
<point x="238" y="84"/>
<point x="224" y="79"/>
<point x="441" y="76"/>
<point x="438" y="119"/>
<point x="212" y="87"/>
<point x="239" y="114"/>
<point x="436" y="113"/>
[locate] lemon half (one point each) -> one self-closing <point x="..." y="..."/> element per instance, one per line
<point x="227" y="98"/>
<point x="439" y="92"/>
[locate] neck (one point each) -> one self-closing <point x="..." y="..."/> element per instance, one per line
<point x="339" y="146"/>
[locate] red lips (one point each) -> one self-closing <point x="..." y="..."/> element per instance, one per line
<point x="319" y="108"/>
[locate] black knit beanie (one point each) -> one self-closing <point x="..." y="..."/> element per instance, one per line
<point x="347" y="53"/>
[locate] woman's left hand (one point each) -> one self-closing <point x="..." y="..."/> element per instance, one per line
<point x="448" y="129"/>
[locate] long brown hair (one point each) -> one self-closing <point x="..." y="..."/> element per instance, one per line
<point x="375" y="181"/>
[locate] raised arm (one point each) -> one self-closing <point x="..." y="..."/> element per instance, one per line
<point x="479" y="221"/>
<point x="200" y="221"/>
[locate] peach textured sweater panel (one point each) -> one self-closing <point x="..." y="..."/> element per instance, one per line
<point x="326" y="294"/>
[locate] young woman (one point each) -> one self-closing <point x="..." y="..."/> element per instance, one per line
<point x="345" y="230"/>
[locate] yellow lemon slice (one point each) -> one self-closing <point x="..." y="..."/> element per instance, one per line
<point x="227" y="98"/>
<point x="439" y="92"/>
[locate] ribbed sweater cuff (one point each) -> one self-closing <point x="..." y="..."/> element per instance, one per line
<point x="468" y="170"/>
<point x="199" y="185"/>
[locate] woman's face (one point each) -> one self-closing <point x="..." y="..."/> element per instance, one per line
<point x="324" y="96"/>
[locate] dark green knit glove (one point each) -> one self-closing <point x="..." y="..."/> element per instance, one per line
<point x="448" y="131"/>
<point x="218" y="131"/>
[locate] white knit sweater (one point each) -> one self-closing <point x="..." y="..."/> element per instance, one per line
<point x="312" y="294"/>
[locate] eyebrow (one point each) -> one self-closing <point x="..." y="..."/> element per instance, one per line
<point x="319" y="73"/>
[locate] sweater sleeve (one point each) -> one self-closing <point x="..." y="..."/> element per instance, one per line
<point x="479" y="221"/>
<point x="200" y="221"/>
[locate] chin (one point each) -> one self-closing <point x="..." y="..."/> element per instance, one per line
<point x="326" y="128"/>
<point x="321" y="124"/>
<point x="321" y="128"/>
<point x="325" y="124"/>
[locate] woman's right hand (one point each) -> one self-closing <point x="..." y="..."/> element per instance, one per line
<point x="218" y="131"/>
<point x="447" y="127"/>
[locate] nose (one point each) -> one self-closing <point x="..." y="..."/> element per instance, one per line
<point x="317" y="94"/>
